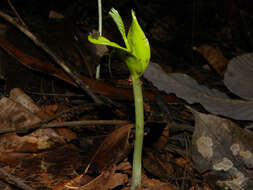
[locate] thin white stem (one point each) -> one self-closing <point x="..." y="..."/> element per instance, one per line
<point x="99" y="17"/>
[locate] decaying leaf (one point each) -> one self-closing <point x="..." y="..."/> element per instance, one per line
<point x="14" y="116"/>
<point x="108" y="179"/>
<point x="158" y="166"/>
<point x="18" y="112"/>
<point x="239" y="76"/>
<point x="187" y="88"/>
<point x="46" y="169"/>
<point x="40" y="139"/>
<point x="219" y="145"/>
<point x="26" y="101"/>
<point x="215" y="58"/>
<point x="112" y="150"/>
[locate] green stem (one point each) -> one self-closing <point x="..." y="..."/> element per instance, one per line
<point x="139" y="132"/>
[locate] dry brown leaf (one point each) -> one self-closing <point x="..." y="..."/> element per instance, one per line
<point x="26" y="101"/>
<point x="148" y="184"/>
<point x="14" y="116"/>
<point x="47" y="169"/>
<point x="50" y="109"/>
<point x="55" y="15"/>
<point x="214" y="57"/>
<point x="13" y="158"/>
<point x="40" y="139"/>
<point x="112" y="150"/>
<point x="158" y="166"/>
<point x="66" y="134"/>
<point x="108" y="179"/>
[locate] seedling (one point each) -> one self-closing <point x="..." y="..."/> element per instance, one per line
<point x="136" y="55"/>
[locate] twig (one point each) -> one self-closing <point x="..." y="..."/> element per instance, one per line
<point x="17" y="182"/>
<point x="84" y="122"/>
<point x="72" y="73"/>
<point x="16" y="13"/>
<point x="81" y="124"/>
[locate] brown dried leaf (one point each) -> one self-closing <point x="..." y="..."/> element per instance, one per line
<point x="214" y="57"/>
<point x="66" y="134"/>
<point x="26" y="101"/>
<point x="158" y="166"/>
<point x="47" y="169"/>
<point x="108" y="179"/>
<point x="50" y="109"/>
<point x="112" y="150"/>
<point x="14" y="116"/>
<point x="40" y="139"/>
<point x="12" y="158"/>
<point x="148" y="183"/>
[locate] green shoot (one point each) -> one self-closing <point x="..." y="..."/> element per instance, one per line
<point x="136" y="55"/>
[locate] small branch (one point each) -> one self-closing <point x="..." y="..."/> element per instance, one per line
<point x="16" y="13"/>
<point x="73" y="74"/>
<point x="84" y="122"/>
<point x="13" y="180"/>
<point x="81" y="124"/>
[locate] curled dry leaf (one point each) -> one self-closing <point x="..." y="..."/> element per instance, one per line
<point x="112" y="150"/>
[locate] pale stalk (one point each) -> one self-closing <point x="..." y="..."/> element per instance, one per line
<point x="99" y="17"/>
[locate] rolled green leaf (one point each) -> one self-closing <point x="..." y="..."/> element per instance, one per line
<point x="139" y="46"/>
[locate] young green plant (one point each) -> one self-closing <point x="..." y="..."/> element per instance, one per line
<point x="136" y="55"/>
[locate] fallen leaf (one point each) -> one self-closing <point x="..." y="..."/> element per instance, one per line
<point x="38" y="140"/>
<point x="112" y="149"/>
<point x="158" y="166"/>
<point x="55" y="15"/>
<point x="46" y="169"/>
<point x="187" y="88"/>
<point x="108" y="179"/>
<point x="14" y="116"/>
<point x="215" y="58"/>
<point x="149" y="183"/>
<point x="238" y="77"/>
<point x="26" y="101"/>
<point x="219" y="145"/>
